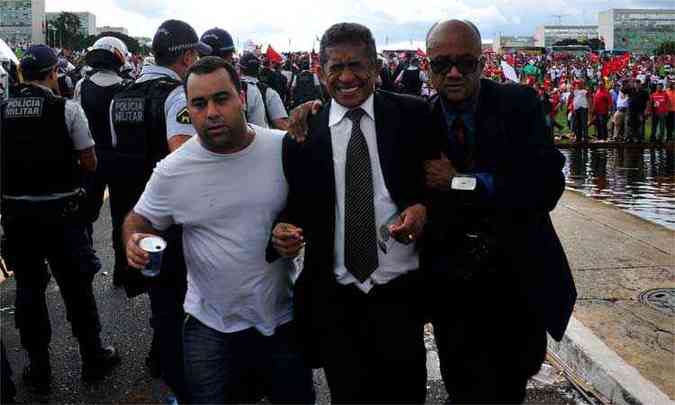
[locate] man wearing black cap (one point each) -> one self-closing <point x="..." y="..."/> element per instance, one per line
<point x="149" y="119"/>
<point x="275" y="112"/>
<point x="221" y="43"/>
<point x="41" y="219"/>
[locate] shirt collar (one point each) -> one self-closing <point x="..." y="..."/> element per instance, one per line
<point x="249" y="79"/>
<point x="151" y="72"/>
<point x="338" y="111"/>
<point x="45" y="88"/>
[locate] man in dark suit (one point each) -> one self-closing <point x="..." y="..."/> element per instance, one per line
<point x="499" y="272"/>
<point x="356" y="197"/>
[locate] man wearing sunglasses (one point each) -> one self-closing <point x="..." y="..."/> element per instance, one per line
<point x="497" y="271"/>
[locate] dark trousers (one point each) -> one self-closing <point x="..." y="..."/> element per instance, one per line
<point x="167" y="294"/>
<point x="581" y="124"/>
<point x="108" y="175"/>
<point x="372" y="348"/>
<point x="601" y="125"/>
<point x="670" y="125"/>
<point x="242" y="367"/>
<point x="489" y="341"/>
<point x="67" y="250"/>
<point x="124" y="195"/>
<point x="634" y="127"/>
<point x="7" y="387"/>
<point x="658" y="127"/>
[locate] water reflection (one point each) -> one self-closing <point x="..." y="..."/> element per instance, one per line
<point x="640" y="181"/>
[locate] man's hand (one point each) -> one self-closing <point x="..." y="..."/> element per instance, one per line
<point x="438" y="172"/>
<point x="297" y="122"/>
<point x="137" y="257"/>
<point x="287" y="239"/>
<point x="411" y="224"/>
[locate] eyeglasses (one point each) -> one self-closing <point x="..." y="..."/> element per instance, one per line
<point x="465" y="65"/>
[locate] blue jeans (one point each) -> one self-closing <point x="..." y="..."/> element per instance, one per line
<point x="243" y="367"/>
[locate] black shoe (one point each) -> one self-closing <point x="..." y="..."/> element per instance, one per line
<point x="99" y="365"/>
<point x="38" y="377"/>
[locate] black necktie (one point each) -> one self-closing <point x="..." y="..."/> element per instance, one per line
<point x="360" y="234"/>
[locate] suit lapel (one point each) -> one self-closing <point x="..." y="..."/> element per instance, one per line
<point x="322" y="155"/>
<point x="387" y="124"/>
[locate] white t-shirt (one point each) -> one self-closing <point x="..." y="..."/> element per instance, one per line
<point x="227" y="205"/>
<point x="580" y="99"/>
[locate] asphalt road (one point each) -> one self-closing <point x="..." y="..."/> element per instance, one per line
<point x="125" y="325"/>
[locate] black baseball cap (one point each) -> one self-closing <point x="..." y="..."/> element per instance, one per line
<point x="249" y="60"/>
<point x="218" y="39"/>
<point x="174" y="37"/>
<point x="38" y="58"/>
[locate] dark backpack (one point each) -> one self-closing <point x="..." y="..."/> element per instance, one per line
<point x="263" y="92"/>
<point x="305" y="89"/>
<point x="275" y="80"/>
<point x="412" y="84"/>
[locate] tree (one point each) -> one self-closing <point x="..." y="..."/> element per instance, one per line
<point x="665" y="48"/>
<point x="566" y="41"/>
<point x="596" y="44"/>
<point x="67" y="32"/>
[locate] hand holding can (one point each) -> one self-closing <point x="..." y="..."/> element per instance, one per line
<point x="154" y="246"/>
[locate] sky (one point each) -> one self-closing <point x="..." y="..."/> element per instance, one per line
<point x="298" y="24"/>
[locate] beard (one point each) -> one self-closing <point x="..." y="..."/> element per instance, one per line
<point x="227" y="136"/>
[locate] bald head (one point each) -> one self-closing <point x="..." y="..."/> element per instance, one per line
<point x="462" y="31"/>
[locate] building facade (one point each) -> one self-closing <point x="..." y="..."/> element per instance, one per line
<point x="87" y="21"/>
<point x="549" y="35"/>
<point x="636" y="30"/>
<point x="107" y="28"/>
<point x="508" y="44"/>
<point x="22" y="22"/>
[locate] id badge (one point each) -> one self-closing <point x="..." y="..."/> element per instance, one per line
<point x="463" y="183"/>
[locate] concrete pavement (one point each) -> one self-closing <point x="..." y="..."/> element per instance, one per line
<point x="621" y="339"/>
<point x="615" y="257"/>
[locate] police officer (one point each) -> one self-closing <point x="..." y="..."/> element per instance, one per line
<point x="275" y="112"/>
<point x="221" y="43"/>
<point x="95" y="93"/>
<point x="46" y="145"/>
<point x="149" y="119"/>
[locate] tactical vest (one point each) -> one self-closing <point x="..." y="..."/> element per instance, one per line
<point x="37" y="153"/>
<point x="96" y="105"/>
<point x="140" y="123"/>
<point x="412" y="84"/>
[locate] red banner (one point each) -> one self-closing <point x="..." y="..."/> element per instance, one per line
<point x="273" y="56"/>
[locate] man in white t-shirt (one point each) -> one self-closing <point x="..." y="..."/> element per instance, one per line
<point x="580" y="103"/>
<point x="226" y="188"/>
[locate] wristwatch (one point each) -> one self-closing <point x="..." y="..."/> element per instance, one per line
<point x="463" y="182"/>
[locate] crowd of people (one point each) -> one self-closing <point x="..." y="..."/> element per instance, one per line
<point x="194" y="145"/>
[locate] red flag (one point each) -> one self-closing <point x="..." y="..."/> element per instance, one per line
<point x="420" y="53"/>
<point x="273" y="56"/>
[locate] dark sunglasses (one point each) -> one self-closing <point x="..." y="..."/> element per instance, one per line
<point x="465" y="65"/>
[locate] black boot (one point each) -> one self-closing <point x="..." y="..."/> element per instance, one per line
<point x="38" y="372"/>
<point x="98" y="362"/>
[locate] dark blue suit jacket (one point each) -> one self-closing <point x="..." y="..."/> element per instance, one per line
<point x="511" y="145"/>
<point x="400" y="123"/>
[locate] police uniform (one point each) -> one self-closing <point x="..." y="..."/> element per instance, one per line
<point x="95" y="93"/>
<point x="143" y="118"/>
<point x="41" y="195"/>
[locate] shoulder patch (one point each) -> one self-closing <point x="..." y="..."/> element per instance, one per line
<point x="183" y="117"/>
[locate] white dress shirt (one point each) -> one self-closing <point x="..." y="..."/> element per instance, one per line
<point x="399" y="258"/>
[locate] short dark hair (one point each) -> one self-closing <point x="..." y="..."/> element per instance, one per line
<point x="210" y="64"/>
<point x="168" y="59"/>
<point x="347" y="33"/>
<point x="36" y="76"/>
